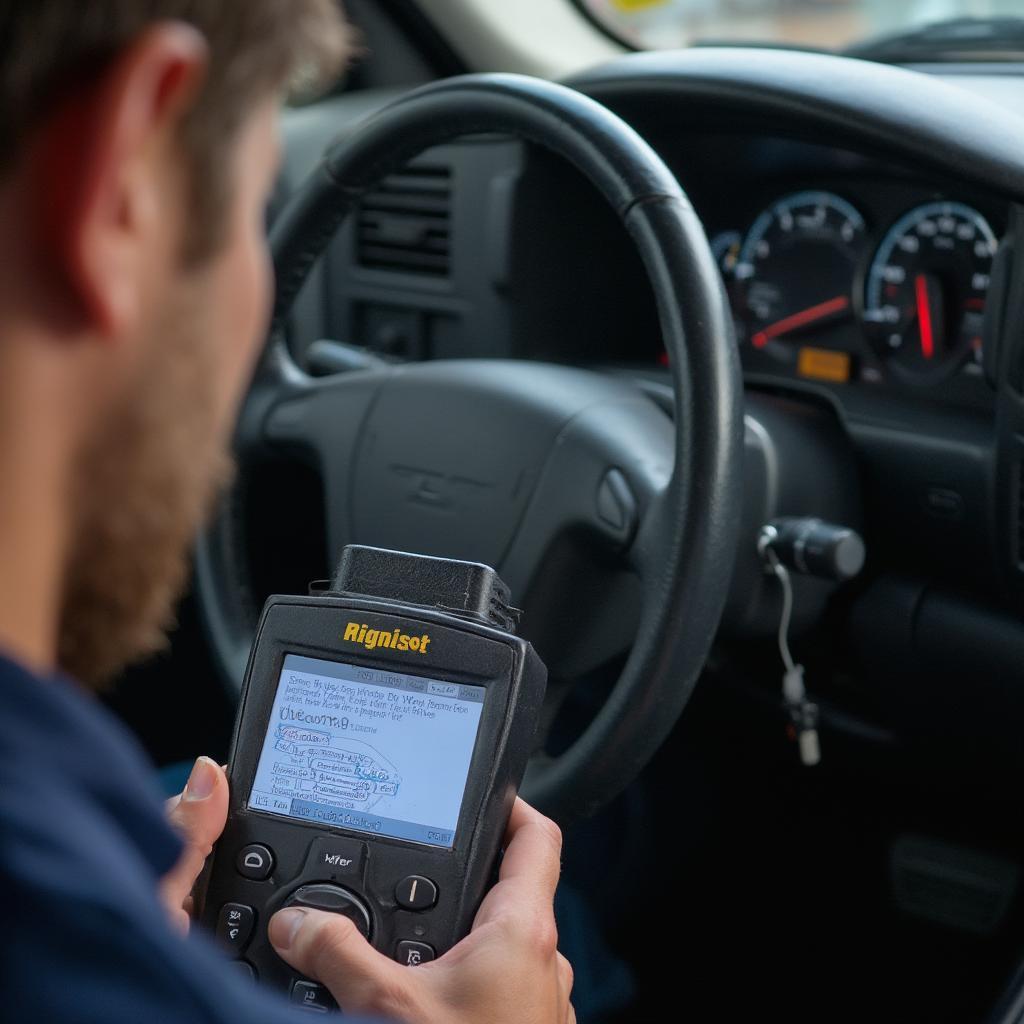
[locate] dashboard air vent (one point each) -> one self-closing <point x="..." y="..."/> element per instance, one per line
<point x="405" y="223"/>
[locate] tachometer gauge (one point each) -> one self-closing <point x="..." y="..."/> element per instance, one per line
<point x="796" y="270"/>
<point x="926" y="287"/>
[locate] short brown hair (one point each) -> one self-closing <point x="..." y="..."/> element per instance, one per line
<point x="48" y="47"/>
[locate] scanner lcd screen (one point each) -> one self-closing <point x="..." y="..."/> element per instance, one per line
<point x="367" y="749"/>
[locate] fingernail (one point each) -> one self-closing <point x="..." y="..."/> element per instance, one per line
<point x="285" y="926"/>
<point x="202" y="780"/>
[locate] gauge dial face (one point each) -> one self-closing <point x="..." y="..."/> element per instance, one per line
<point x="926" y="288"/>
<point x="725" y="247"/>
<point x="796" y="270"/>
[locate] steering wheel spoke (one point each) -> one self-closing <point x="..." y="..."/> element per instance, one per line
<point x="312" y="418"/>
<point x="276" y="378"/>
<point x="607" y="470"/>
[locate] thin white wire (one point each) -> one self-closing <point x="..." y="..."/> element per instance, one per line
<point x="782" y="574"/>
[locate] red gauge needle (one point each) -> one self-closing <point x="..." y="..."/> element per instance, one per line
<point x="924" y="316"/>
<point x="801" y="319"/>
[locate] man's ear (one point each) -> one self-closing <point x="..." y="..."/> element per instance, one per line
<point x="97" y="180"/>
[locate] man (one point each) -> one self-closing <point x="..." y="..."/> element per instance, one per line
<point x="137" y="149"/>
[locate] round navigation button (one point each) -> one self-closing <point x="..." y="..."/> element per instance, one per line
<point x="334" y="900"/>
<point x="255" y="861"/>
<point x="416" y="893"/>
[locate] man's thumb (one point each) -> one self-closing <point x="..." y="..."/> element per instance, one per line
<point x="198" y="815"/>
<point x="201" y="810"/>
<point x="331" y="949"/>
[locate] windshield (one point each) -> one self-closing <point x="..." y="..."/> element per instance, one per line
<point x="822" y="24"/>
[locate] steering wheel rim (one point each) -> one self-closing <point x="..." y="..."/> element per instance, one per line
<point x="687" y="538"/>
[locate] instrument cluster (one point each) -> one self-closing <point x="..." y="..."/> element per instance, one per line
<point x="820" y="292"/>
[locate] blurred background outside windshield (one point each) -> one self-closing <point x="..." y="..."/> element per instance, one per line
<point x="824" y="24"/>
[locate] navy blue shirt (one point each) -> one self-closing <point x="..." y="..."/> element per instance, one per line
<point x="83" y="845"/>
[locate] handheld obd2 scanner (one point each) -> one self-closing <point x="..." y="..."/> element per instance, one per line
<point x="384" y="728"/>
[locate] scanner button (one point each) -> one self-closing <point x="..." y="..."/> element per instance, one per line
<point x="255" y="862"/>
<point x="335" y="858"/>
<point x="312" y="996"/>
<point x="412" y="954"/>
<point x="334" y="900"/>
<point x="234" y="925"/>
<point x="416" y="893"/>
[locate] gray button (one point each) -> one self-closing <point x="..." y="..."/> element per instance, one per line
<point x="311" y="996"/>
<point x="416" y="893"/>
<point x="335" y="858"/>
<point x="412" y="954"/>
<point x="255" y="861"/>
<point x="234" y="926"/>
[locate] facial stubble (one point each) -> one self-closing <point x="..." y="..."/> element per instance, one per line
<point x="143" y="487"/>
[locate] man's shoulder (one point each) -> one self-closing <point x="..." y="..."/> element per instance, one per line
<point x="77" y="796"/>
<point x="83" y="844"/>
<point x="82" y="958"/>
<point x="78" y="887"/>
<point x="92" y="944"/>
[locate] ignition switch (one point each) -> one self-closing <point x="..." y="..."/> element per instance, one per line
<point x="814" y="548"/>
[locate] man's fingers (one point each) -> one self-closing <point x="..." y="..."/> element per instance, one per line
<point x="533" y="848"/>
<point x="198" y="815"/>
<point x="529" y="870"/>
<point x="330" y="948"/>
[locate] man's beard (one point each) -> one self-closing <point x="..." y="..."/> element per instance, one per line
<point x="144" y="486"/>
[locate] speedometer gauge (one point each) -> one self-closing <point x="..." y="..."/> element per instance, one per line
<point x="926" y="288"/>
<point x="795" y="273"/>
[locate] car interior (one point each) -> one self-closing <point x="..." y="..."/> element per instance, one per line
<point x="714" y="353"/>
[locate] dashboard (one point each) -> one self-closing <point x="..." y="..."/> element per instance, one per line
<point x="860" y="280"/>
<point x="844" y="269"/>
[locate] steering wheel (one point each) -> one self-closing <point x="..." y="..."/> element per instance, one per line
<point x="494" y="461"/>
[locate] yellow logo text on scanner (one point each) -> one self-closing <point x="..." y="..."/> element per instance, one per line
<point x="395" y="639"/>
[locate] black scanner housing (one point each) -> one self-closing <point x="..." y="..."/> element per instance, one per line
<point x="466" y="647"/>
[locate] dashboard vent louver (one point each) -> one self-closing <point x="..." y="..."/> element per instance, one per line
<point x="404" y="224"/>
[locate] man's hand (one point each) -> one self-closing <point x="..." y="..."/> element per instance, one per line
<point x="507" y="969"/>
<point x="198" y="814"/>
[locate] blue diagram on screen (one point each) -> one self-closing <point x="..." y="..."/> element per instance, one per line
<point x="346" y="769"/>
<point x="367" y="749"/>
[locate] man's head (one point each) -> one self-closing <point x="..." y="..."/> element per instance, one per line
<point x="137" y="150"/>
